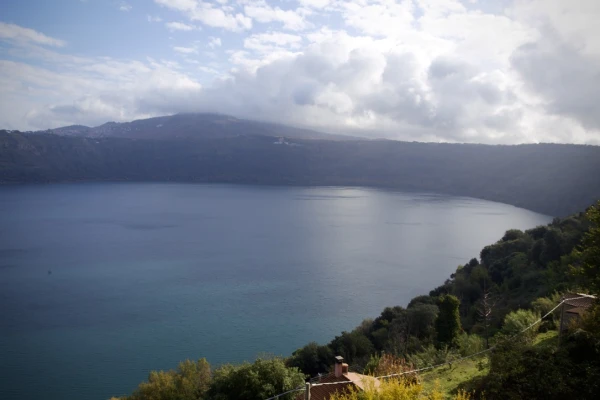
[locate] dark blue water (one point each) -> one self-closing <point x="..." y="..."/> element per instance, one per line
<point x="100" y="283"/>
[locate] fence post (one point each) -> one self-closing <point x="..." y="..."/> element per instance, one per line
<point x="307" y="391"/>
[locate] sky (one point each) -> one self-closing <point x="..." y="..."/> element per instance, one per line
<point x="479" y="71"/>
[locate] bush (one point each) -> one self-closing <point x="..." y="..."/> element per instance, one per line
<point x="388" y="364"/>
<point x="517" y="321"/>
<point x="190" y="381"/>
<point x="433" y="356"/>
<point x="257" y="381"/>
<point x="470" y="344"/>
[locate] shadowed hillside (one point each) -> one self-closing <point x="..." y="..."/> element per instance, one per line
<point x="191" y="126"/>
<point x="548" y="178"/>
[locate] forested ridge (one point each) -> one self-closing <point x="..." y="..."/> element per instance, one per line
<point x="549" y="178"/>
<point x="494" y="302"/>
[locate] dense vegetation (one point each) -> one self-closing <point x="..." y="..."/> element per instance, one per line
<point x="264" y="378"/>
<point x="548" y="178"/>
<point x="498" y="298"/>
<point x="519" y="271"/>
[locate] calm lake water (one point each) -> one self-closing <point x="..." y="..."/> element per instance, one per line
<point x="100" y="283"/>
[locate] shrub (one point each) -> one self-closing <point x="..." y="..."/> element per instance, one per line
<point x="262" y="379"/>
<point x="516" y="322"/>
<point x="189" y="382"/>
<point x="395" y="389"/>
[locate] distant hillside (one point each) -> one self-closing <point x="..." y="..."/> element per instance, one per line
<point x="191" y="126"/>
<point x="548" y="178"/>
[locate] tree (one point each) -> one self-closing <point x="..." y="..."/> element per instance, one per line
<point x="311" y="359"/>
<point x="257" y="381"/>
<point x="447" y="324"/>
<point x="353" y="346"/>
<point x="421" y="319"/>
<point x="190" y="381"/>
<point x="588" y="254"/>
<point x="519" y="371"/>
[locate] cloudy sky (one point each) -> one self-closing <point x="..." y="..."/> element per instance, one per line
<point x="486" y="71"/>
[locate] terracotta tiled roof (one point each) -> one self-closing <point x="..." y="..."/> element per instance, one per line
<point x="362" y="380"/>
<point x="349" y="381"/>
<point x="579" y="300"/>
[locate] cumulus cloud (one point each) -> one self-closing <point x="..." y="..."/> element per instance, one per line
<point x="413" y="69"/>
<point x="92" y="91"/>
<point x="560" y="67"/>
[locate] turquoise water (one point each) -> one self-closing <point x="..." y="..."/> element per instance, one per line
<point x="100" y="283"/>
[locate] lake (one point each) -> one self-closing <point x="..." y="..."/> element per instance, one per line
<point x="100" y="283"/>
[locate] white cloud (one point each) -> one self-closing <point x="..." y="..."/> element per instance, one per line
<point x="18" y="33"/>
<point x="185" y="50"/>
<point x="214" y="42"/>
<point x="125" y="7"/>
<point x="264" y="13"/>
<point x="92" y="92"/>
<point x="180" y="26"/>
<point x="153" y="18"/>
<point x="379" y="19"/>
<point x="181" y="5"/>
<point x="268" y="42"/>
<point x="559" y="67"/>
<point x="315" y="3"/>
<point x="209" y="14"/>
<point x="412" y="69"/>
<point x="209" y="70"/>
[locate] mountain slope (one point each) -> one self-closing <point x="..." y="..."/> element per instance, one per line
<point x="548" y="178"/>
<point x="191" y="126"/>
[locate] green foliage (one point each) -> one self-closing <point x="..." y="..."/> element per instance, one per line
<point x="257" y="381"/>
<point x="516" y="270"/>
<point x="421" y="319"/>
<point x="522" y="371"/>
<point x="447" y="324"/>
<point x="395" y="389"/>
<point x="190" y="381"/>
<point x="542" y="306"/>
<point x="461" y="375"/>
<point x="432" y="355"/>
<point x="518" y="371"/>
<point x="588" y="255"/>
<point x="354" y="346"/>
<point x="522" y="269"/>
<point x="512" y="234"/>
<point x="517" y="321"/>
<point x="421" y="300"/>
<point x="469" y="344"/>
<point x="312" y="359"/>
